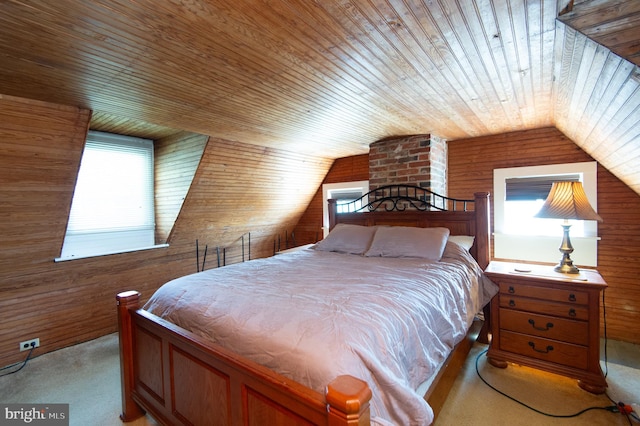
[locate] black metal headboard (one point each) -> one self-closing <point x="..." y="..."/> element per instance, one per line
<point x="401" y="197"/>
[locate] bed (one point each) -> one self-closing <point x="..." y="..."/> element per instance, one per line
<point x="348" y="350"/>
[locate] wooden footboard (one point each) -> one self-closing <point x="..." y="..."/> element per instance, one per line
<point x="180" y="378"/>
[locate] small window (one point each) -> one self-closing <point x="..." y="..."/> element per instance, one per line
<point x="519" y="193"/>
<point x="524" y="196"/>
<point x="113" y="203"/>
<point x="344" y="192"/>
<point x="344" y="198"/>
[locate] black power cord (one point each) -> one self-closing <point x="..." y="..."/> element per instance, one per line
<point x="17" y="363"/>
<point x="610" y="408"/>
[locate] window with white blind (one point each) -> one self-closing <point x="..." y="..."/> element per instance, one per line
<point x="519" y="193"/>
<point x="113" y="203"/>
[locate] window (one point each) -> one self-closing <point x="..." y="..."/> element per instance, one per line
<point x="113" y="203"/>
<point x="524" y="196"/>
<point x="344" y="192"/>
<point x="345" y="198"/>
<point x="518" y="195"/>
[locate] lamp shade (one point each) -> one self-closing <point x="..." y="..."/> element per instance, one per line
<point x="567" y="200"/>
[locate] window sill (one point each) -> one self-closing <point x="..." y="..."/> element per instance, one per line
<point x="64" y="259"/>
<point x="544" y="248"/>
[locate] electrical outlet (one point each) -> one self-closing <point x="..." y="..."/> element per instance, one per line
<point x="28" y="344"/>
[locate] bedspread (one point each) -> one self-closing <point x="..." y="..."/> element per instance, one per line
<point x="312" y="316"/>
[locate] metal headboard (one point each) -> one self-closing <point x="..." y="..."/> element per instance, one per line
<point x="401" y="197"/>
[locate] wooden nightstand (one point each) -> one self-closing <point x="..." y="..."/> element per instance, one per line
<point x="547" y="320"/>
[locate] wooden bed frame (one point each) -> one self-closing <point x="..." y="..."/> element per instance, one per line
<point x="180" y="378"/>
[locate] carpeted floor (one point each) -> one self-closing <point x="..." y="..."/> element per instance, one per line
<point x="472" y="402"/>
<point x="87" y="377"/>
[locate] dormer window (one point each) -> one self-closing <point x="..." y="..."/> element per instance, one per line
<point x="113" y="203"/>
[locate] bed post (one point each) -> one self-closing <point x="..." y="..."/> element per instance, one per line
<point x="483" y="235"/>
<point x="333" y="207"/>
<point x="126" y="301"/>
<point x="348" y="400"/>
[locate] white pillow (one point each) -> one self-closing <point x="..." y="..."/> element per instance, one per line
<point x="465" y="241"/>
<point x="407" y="241"/>
<point x="346" y="238"/>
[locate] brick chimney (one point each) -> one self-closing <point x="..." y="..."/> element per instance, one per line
<point x="419" y="160"/>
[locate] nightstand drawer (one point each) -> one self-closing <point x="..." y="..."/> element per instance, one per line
<point x="554" y="294"/>
<point x="565" y="310"/>
<point x="545" y="349"/>
<point x="545" y="326"/>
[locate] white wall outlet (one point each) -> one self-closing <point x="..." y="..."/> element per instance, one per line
<point x="28" y="344"/>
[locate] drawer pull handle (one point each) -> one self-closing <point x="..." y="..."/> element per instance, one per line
<point x="545" y="351"/>
<point x="533" y="324"/>
<point x="572" y="297"/>
<point x="512" y="303"/>
<point x="572" y="312"/>
<point x="511" y="289"/>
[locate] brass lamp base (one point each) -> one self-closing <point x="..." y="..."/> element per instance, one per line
<point x="566" y="264"/>
<point x="566" y="268"/>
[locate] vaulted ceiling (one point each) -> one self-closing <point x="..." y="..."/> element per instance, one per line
<point x="328" y="77"/>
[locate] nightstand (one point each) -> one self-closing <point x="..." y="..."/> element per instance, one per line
<point x="547" y="320"/>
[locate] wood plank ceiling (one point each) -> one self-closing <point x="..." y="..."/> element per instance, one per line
<point x="328" y="77"/>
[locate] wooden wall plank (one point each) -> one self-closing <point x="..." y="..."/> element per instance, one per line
<point x="176" y="160"/>
<point x="612" y="23"/>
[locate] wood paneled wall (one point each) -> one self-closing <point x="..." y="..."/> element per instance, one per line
<point x="40" y="155"/>
<point x="348" y="169"/>
<point x="237" y="188"/>
<point x="471" y="164"/>
<point x="242" y="189"/>
<point x="176" y="160"/>
<point x="611" y="23"/>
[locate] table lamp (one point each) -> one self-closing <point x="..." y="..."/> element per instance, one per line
<point x="567" y="200"/>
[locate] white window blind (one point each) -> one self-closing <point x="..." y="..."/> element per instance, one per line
<point x="113" y="203"/>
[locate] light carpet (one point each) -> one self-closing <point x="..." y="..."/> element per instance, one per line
<point x="472" y="402"/>
<point x="87" y="377"/>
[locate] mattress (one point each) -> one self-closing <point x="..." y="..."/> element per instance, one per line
<point x="313" y="315"/>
